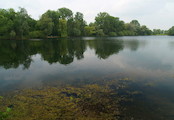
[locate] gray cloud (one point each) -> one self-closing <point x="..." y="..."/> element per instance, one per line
<point x="153" y="13"/>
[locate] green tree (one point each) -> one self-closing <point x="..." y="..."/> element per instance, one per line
<point x="135" y="23"/>
<point x="101" y="21"/>
<point x="65" y="13"/>
<point x="99" y="32"/>
<point x="145" y="31"/>
<point x="108" y="24"/>
<point x="54" y="16"/>
<point x="21" y="23"/>
<point x="12" y="34"/>
<point x="158" y="32"/>
<point x="63" y="28"/>
<point x="63" y="23"/>
<point x="171" y="31"/>
<point x="90" y="30"/>
<point x="79" y="24"/>
<point x="135" y="27"/>
<point x="130" y="30"/>
<point x="46" y="25"/>
<point x="5" y="24"/>
<point x="70" y="27"/>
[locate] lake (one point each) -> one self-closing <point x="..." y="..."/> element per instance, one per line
<point x="144" y="64"/>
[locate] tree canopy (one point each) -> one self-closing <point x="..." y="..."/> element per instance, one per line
<point x="171" y="31"/>
<point x="64" y="23"/>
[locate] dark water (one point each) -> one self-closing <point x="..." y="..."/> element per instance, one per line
<point x="148" y="61"/>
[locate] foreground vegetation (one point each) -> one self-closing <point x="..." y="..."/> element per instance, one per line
<point x="5" y="113"/>
<point x="88" y="102"/>
<point x="113" y="97"/>
<point x="63" y="23"/>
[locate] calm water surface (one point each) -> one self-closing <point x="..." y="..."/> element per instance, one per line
<point x="147" y="61"/>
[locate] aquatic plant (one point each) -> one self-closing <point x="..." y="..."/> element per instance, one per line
<point x="4" y="115"/>
<point x="86" y="102"/>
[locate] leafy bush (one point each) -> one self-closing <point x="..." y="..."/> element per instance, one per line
<point x="112" y="34"/>
<point x="5" y="115"/>
<point x="36" y="34"/>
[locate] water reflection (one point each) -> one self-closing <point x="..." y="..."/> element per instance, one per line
<point x="15" y="53"/>
<point x="133" y="45"/>
<point x="104" y="49"/>
<point x="138" y="68"/>
<point x="63" y="51"/>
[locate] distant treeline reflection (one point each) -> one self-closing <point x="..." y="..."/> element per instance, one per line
<point x="14" y="53"/>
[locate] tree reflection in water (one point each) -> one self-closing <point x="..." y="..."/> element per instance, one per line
<point x="14" y="53"/>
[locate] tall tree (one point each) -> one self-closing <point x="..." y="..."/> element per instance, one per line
<point x="65" y="13"/>
<point x="171" y="31"/>
<point x="21" y="24"/>
<point x="66" y="19"/>
<point x="63" y="27"/>
<point x="63" y="23"/>
<point x="79" y="24"/>
<point x="135" y="23"/>
<point x="54" y="16"/>
<point x="108" y="24"/>
<point x="145" y="31"/>
<point x="135" y="27"/>
<point x="46" y="25"/>
<point x="5" y="25"/>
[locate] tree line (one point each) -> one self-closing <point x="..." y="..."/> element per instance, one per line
<point x="64" y="23"/>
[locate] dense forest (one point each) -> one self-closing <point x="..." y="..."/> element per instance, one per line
<point x="64" y="23"/>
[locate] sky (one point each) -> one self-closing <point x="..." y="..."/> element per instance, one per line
<point x="155" y="14"/>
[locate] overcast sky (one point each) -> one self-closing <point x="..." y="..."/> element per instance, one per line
<point x="152" y="13"/>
